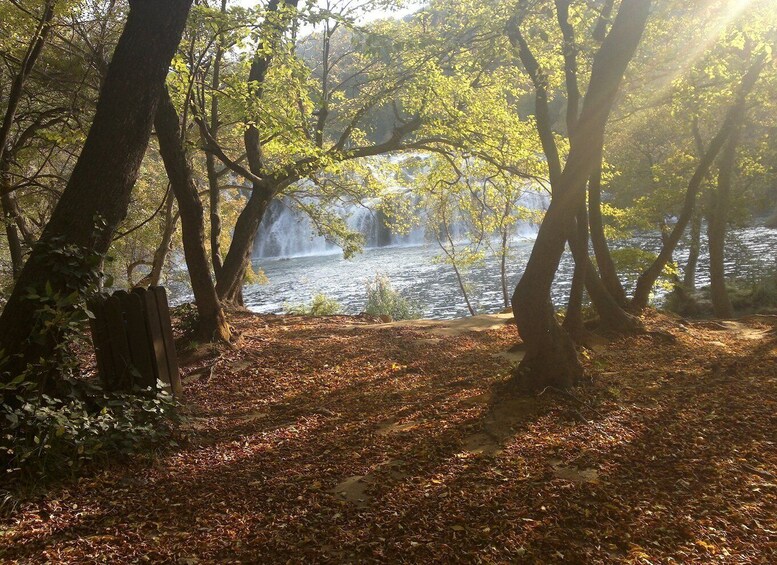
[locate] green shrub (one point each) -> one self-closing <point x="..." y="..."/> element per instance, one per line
<point x="383" y="300"/>
<point x="50" y="438"/>
<point x="322" y="305"/>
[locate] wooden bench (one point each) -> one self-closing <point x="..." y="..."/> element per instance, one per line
<point x="133" y="340"/>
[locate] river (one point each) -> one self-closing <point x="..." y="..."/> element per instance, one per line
<point x="414" y="271"/>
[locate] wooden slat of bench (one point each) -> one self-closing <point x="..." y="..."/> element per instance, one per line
<point x="156" y="339"/>
<point x="120" y="352"/>
<point x="167" y="336"/>
<point x="138" y="339"/>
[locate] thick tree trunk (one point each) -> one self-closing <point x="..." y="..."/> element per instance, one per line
<point x="604" y="262"/>
<point x="694" y="248"/>
<point x="551" y="359"/>
<point x="716" y="230"/>
<point x="97" y="194"/>
<point x="212" y="323"/>
<point x="731" y="122"/>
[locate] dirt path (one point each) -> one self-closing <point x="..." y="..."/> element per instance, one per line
<point x="335" y="441"/>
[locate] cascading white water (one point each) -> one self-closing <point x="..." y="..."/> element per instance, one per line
<point x="288" y="232"/>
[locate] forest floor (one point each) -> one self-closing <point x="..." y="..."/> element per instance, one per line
<point x="344" y="441"/>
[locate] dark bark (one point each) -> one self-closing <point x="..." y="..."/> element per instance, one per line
<point x="229" y="280"/>
<point x="716" y="229"/>
<point x="648" y="278"/>
<point x="212" y="324"/>
<point x="9" y="218"/>
<point x="214" y="193"/>
<point x="613" y="318"/>
<point x="14" y="241"/>
<point x="600" y="31"/>
<point x="604" y="261"/>
<point x="541" y="111"/>
<point x="96" y="197"/>
<point x="551" y="359"/>
<point x="578" y="234"/>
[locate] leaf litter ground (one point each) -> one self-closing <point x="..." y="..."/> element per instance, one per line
<point x="337" y="440"/>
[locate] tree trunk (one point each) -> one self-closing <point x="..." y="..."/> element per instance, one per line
<point x="214" y="194"/>
<point x="551" y="359"/>
<point x="229" y="280"/>
<point x="14" y="241"/>
<point x="613" y="318"/>
<point x="694" y="248"/>
<point x="716" y="230"/>
<point x="212" y="323"/>
<point x="98" y="192"/>
<point x="11" y="231"/>
<point x="604" y="261"/>
<point x="731" y="122"/>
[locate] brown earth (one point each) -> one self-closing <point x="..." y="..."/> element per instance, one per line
<point x="337" y="440"/>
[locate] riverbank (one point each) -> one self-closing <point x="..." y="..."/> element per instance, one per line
<point x="341" y="439"/>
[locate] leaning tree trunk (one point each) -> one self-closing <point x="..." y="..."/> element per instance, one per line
<point x="602" y="253"/>
<point x="731" y="122"/>
<point x="551" y="359"/>
<point x="229" y="281"/>
<point x="98" y="192"/>
<point x="716" y="230"/>
<point x="214" y="190"/>
<point x="212" y="324"/>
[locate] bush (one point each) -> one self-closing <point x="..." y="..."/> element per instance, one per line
<point x="383" y="300"/>
<point x="322" y="305"/>
<point x="48" y="438"/>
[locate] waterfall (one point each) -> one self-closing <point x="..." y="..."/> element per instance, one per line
<point x="288" y="232"/>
